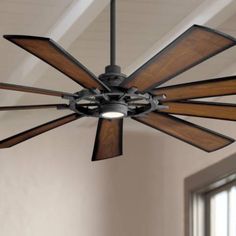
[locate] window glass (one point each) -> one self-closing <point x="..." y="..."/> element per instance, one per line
<point x="232" y="210"/>
<point x="221" y="212"/>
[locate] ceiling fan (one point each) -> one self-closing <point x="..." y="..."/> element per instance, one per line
<point x="113" y="96"/>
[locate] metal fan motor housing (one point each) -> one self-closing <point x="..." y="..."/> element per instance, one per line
<point x="129" y="102"/>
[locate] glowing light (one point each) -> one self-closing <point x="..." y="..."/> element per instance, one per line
<point x="112" y="115"/>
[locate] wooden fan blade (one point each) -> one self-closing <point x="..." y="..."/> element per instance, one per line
<point x="31" y="107"/>
<point x="194" y="46"/>
<point x="213" y="110"/>
<point x="200" y="89"/>
<point x="18" y="138"/>
<point x="50" y="52"/>
<point x="34" y="90"/>
<point x="195" y="135"/>
<point x="109" y="138"/>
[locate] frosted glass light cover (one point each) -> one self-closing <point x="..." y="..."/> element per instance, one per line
<point x="112" y="115"/>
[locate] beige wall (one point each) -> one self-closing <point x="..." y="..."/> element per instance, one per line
<point x="49" y="186"/>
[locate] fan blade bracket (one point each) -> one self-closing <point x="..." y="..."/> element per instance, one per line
<point x="69" y="96"/>
<point x="162" y="107"/>
<point x="63" y="107"/>
<point x="160" y="97"/>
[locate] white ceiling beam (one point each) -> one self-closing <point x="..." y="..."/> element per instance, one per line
<point x="69" y="27"/>
<point x="210" y="12"/>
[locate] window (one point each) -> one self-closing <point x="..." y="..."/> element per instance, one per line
<point x="221" y="211"/>
<point x="210" y="200"/>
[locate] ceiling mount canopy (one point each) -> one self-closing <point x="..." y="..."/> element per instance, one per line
<point x="113" y="96"/>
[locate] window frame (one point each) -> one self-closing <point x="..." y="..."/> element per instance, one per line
<point x="196" y="188"/>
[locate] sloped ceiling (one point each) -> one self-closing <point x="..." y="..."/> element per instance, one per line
<point x="25" y="17"/>
<point x="144" y="28"/>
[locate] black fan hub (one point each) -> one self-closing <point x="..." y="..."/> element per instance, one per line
<point x="112" y="76"/>
<point x="113" y="69"/>
<point x="126" y="102"/>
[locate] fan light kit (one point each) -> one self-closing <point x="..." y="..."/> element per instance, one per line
<point x="112" y="115"/>
<point x="113" y="96"/>
<point x="114" y="110"/>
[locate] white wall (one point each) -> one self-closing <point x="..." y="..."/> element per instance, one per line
<point x="49" y="186"/>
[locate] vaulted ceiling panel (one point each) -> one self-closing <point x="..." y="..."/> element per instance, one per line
<point x="28" y="17"/>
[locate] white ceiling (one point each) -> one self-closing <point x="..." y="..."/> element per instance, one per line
<point x="29" y="17"/>
<point x="140" y="25"/>
<point x="144" y="27"/>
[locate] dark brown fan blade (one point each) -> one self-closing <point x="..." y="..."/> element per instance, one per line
<point x="213" y="110"/>
<point x="109" y="138"/>
<point x="195" y="135"/>
<point x="31" y="107"/>
<point x="34" y="90"/>
<point x="192" y="47"/>
<point x="50" y="52"/>
<point x="18" y="138"/>
<point x="201" y="89"/>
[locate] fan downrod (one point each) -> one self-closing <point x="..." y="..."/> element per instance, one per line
<point x="112" y="76"/>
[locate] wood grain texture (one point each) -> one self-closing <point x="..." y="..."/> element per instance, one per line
<point x="32" y="107"/>
<point x="202" y="109"/>
<point x="109" y="138"/>
<point x="23" y="136"/>
<point x="200" y="89"/>
<point x="193" y="47"/>
<point x="195" y="135"/>
<point x="50" y="52"/>
<point x="27" y="89"/>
